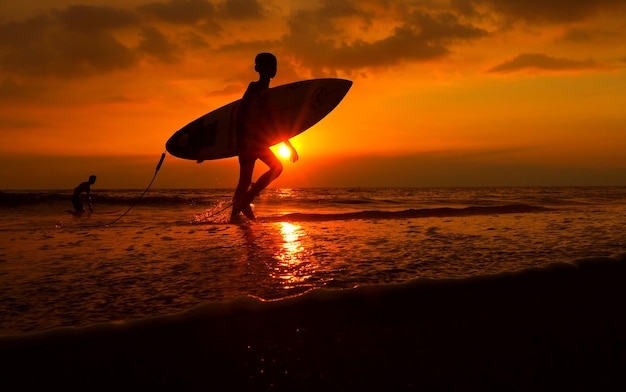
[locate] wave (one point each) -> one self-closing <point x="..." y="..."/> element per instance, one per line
<point x="17" y="199"/>
<point x="533" y="329"/>
<point x="410" y="213"/>
<point x="174" y="198"/>
<point x="340" y="199"/>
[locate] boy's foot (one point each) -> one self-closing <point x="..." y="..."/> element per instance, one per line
<point x="236" y="219"/>
<point x="242" y="206"/>
<point x="247" y="211"/>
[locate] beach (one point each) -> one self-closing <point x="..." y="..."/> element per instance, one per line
<point x="516" y="289"/>
<point x="557" y="328"/>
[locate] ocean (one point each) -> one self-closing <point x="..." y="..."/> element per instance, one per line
<point x="175" y="250"/>
<point x="334" y="289"/>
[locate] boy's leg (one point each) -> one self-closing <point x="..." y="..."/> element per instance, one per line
<point x="246" y="168"/>
<point x="275" y="169"/>
<point x="77" y="204"/>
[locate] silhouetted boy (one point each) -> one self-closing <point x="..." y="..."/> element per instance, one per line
<point x="84" y="187"/>
<point x="250" y="144"/>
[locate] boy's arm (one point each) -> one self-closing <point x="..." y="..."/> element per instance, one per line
<point x="294" y="153"/>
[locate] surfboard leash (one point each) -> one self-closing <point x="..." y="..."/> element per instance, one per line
<point x="219" y="211"/>
<point x="156" y="171"/>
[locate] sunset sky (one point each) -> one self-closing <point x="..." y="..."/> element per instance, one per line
<point x="445" y="93"/>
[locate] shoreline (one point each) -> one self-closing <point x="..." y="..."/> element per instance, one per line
<point x="558" y="327"/>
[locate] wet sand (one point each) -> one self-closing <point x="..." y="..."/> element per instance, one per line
<point x="557" y="328"/>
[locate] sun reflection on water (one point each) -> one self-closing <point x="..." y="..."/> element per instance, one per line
<point x="294" y="266"/>
<point x="284" y="193"/>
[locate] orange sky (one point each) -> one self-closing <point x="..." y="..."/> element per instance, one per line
<point x="446" y="93"/>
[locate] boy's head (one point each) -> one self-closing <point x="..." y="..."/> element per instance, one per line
<point x="266" y="64"/>
<point x="92" y="179"/>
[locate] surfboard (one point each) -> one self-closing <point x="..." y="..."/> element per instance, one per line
<point x="280" y="113"/>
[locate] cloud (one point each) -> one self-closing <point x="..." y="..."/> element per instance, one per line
<point x="185" y="12"/>
<point x="193" y="40"/>
<point x="577" y="35"/>
<point x="154" y="43"/>
<point x="56" y="45"/>
<point x="242" y="9"/>
<point x="226" y="90"/>
<point x="80" y="55"/>
<point x="325" y="37"/>
<point x="542" y="11"/>
<point x="444" y="27"/>
<point x="82" y="40"/>
<point x="196" y="12"/>
<point x="544" y="62"/>
<point x="84" y="18"/>
<point x="13" y="126"/>
<point x="403" y="44"/>
<point x="10" y="90"/>
<point x="320" y="40"/>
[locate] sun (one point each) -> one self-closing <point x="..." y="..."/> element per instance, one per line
<point x="284" y="152"/>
